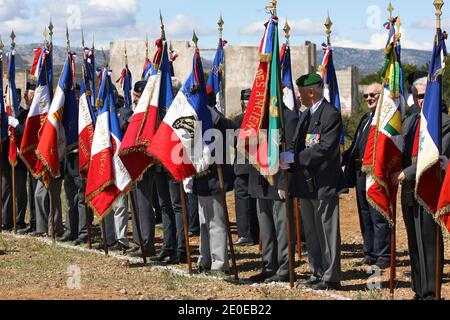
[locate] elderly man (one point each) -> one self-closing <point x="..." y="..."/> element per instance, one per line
<point x="420" y="225"/>
<point x="314" y="154"/>
<point x="374" y="227"/>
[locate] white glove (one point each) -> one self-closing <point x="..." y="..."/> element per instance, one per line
<point x="188" y="185"/>
<point x="282" y="194"/>
<point x="286" y="159"/>
<point x="215" y="115"/>
<point x="13" y="122"/>
<point x="444" y="162"/>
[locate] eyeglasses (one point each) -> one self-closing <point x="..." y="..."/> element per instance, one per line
<point x="420" y="96"/>
<point x="372" y="95"/>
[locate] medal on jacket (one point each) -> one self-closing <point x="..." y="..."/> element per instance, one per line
<point x="312" y="139"/>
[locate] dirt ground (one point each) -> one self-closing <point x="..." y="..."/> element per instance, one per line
<point x="34" y="270"/>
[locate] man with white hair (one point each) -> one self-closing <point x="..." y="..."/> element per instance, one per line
<point x="374" y="227"/>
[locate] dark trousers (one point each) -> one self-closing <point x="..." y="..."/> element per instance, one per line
<point x="76" y="219"/>
<point x="156" y="207"/>
<point x="21" y="175"/>
<point x="194" y="220"/>
<point x="246" y="210"/>
<point x="177" y="219"/>
<point x="374" y="227"/>
<point x="32" y="183"/>
<point x="421" y="230"/>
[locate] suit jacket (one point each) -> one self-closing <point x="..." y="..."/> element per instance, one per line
<point x="259" y="187"/>
<point x="352" y="158"/>
<point x="317" y="172"/>
<point x="18" y="133"/>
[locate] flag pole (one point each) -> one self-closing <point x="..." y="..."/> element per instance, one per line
<point x="186" y="227"/>
<point x="13" y="167"/>
<point x="2" y="47"/>
<point x="438" y="4"/>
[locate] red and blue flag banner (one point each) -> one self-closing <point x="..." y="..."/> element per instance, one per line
<point x="215" y="79"/>
<point x="90" y="74"/>
<point x="156" y="98"/>
<point x="3" y="116"/>
<point x="289" y="98"/>
<point x="86" y="123"/>
<point x="428" y="176"/>
<point x="384" y="150"/>
<point x="12" y="105"/>
<point x="173" y="56"/>
<point x="126" y="82"/>
<point x="107" y="180"/>
<point x="444" y="204"/>
<point x="148" y="67"/>
<point x="178" y="144"/>
<point x="252" y="140"/>
<point x="331" y="90"/>
<point x="38" y="112"/>
<point x="59" y="133"/>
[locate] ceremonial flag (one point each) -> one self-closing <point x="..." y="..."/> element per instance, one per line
<point x="252" y="139"/>
<point x="444" y="204"/>
<point x="126" y="82"/>
<point x="148" y="67"/>
<point x="383" y="154"/>
<point x="216" y="77"/>
<point x="90" y="73"/>
<point x="12" y="105"/>
<point x="331" y="90"/>
<point x="60" y="130"/>
<point x="38" y="112"/>
<point x="289" y="99"/>
<point x="86" y="123"/>
<point x="157" y="95"/>
<point x="173" y="56"/>
<point x="3" y="116"/>
<point x="178" y="144"/>
<point x="428" y="176"/>
<point x="108" y="180"/>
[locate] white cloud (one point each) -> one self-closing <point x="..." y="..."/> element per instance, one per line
<point x="304" y="27"/>
<point x="183" y="26"/>
<point x="11" y="9"/>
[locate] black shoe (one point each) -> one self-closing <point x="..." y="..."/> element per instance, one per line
<point x="139" y="254"/>
<point x="132" y="249"/>
<point x="162" y="256"/>
<point x="383" y="265"/>
<point x="79" y="241"/>
<point x="259" y="278"/>
<point x="278" y="278"/>
<point x="182" y="259"/>
<point x="203" y="269"/>
<point x="364" y="262"/>
<point x="244" y="242"/>
<point x="38" y="234"/>
<point x="173" y="260"/>
<point x="323" y="286"/>
<point x="193" y="234"/>
<point x="26" y="231"/>
<point x="407" y="273"/>
<point x="119" y="247"/>
<point x="66" y="237"/>
<point x="7" y="228"/>
<point x="310" y="281"/>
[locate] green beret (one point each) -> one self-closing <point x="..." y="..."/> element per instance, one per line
<point x="308" y="80"/>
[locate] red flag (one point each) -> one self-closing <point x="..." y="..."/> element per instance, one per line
<point x="444" y="204"/>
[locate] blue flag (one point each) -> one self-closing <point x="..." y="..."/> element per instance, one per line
<point x="215" y="79"/>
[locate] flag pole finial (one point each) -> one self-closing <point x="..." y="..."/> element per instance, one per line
<point x="163" y="32"/>
<point x="398" y="25"/>
<point x="45" y="34"/>
<point x="195" y="40"/>
<point x="68" y="38"/>
<point x="287" y="31"/>
<point x="126" y="53"/>
<point x="220" y="23"/>
<point x="82" y="38"/>
<point x="146" y="46"/>
<point x="390" y="9"/>
<point x="273" y="7"/>
<point x="328" y="25"/>
<point x="13" y="37"/>
<point x="438" y="4"/>
<point x="50" y="28"/>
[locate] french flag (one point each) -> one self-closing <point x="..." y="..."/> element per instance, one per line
<point x="156" y="98"/>
<point x="86" y="125"/>
<point x="38" y="112"/>
<point x="107" y="180"/>
<point x="428" y="176"/>
<point x="148" y="67"/>
<point x="178" y="144"/>
<point x="289" y="99"/>
<point x="60" y="130"/>
<point x="12" y="105"/>
<point x="215" y="78"/>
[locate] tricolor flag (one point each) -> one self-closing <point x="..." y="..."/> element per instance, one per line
<point x="38" y="112"/>
<point x="60" y="130"/>
<point x="108" y="179"/>
<point x="86" y="123"/>
<point x="12" y="105"/>
<point x="157" y="95"/>
<point x="289" y="98"/>
<point x="148" y="67"/>
<point x="216" y="77"/>
<point x="178" y="144"/>
<point x="126" y="82"/>
<point x="384" y="151"/>
<point x="3" y="116"/>
<point x="331" y="90"/>
<point x="256" y="120"/>
<point x="428" y="176"/>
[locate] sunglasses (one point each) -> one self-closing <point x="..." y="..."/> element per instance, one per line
<point x="372" y="95"/>
<point x="420" y="96"/>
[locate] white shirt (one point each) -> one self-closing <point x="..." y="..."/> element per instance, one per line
<point x="316" y="106"/>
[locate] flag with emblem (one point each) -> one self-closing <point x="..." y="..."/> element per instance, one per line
<point x="12" y="105"/>
<point x="38" y="111"/>
<point x="383" y="155"/>
<point x="178" y="144"/>
<point x="59" y="133"/>
<point x="428" y="175"/>
<point x="289" y="99"/>
<point x="215" y="79"/>
<point x="107" y="180"/>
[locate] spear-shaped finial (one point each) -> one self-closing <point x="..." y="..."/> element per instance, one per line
<point x="82" y="38"/>
<point x="390" y="9"/>
<point x="126" y="53"/>
<point x="93" y="42"/>
<point x="195" y="40"/>
<point x="163" y="32"/>
<point x="13" y="37"/>
<point x="50" y="28"/>
<point x="287" y="31"/>
<point x="438" y="4"/>
<point x="398" y="25"/>
<point x="45" y="34"/>
<point x="146" y="46"/>
<point x="68" y="38"/>
<point x="221" y="23"/>
<point x="328" y="25"/>
<point x="273" y="7"/>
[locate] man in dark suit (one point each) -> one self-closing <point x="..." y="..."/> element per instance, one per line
<point x="420" y="225"/>
<point x="271" y="202"/>
<point x="318" y="181"/>
<point x="374" y="227"/>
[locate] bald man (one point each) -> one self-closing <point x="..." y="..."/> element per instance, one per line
<point x="374" y="227"/>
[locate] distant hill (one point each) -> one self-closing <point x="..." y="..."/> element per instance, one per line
<point x="371" y="61"/>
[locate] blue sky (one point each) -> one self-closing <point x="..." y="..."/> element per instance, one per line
<point x="356" y="23"/>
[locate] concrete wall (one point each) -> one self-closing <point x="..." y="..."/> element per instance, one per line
<point x="348" y="89"/>
<point x="241" y="63"/>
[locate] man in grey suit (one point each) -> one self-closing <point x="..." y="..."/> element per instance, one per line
<point x="318" y="181"/>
